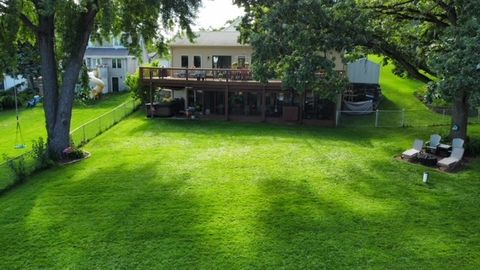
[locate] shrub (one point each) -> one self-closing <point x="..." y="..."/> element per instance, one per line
<point x="472" y="147"/>
<point x="135" y="87"/>
<point x="72" y="153"/>
<point x="40" y="154"/>
<point x="7" y="102"/>
<point x="18" y="167"/>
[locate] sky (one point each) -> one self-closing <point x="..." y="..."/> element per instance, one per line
<point x="215" y="13"/>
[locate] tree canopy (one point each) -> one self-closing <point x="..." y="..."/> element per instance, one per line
<point x="435" y="41"/>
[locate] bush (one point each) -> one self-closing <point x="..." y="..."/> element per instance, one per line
<point x="7" y="102"/>
<point x="18" y="167"/>
<point x="72" y="153"/>
<point x="40" y="154"/>
<point x="135" y="87"/>
<point x="472" y="147"/>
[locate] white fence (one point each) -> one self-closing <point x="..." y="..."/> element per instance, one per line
<point x="399" y="118"/>
<point x="79" y="136"/>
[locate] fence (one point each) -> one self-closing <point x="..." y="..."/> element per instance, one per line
<point x="79" y="137"/>
<point x="399" y="118"/>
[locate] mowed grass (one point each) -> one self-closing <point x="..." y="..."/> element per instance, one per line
<point x="32" y="122"/>
<point x="220" y="195"/>
<point x="398" y="95"/>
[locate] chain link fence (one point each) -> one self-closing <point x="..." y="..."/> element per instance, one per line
<point x="400" y="118"/>
<point x="79" y="137"/>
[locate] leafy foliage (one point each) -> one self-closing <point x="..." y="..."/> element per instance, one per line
<point x="135" y="87"/>
<point x="40" y="154"/>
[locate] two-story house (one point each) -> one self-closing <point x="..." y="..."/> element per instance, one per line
<point x="112" y="61"/>
<point x="212" y="74"/>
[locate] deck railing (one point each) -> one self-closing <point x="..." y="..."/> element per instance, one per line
<point x="199" y="74"/>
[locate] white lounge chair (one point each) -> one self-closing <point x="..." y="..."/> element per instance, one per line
<point x="457" y="143"/>
<point x="453" y="159"/>
<point x="434" y="142"/>
<point x="413" y="152"/>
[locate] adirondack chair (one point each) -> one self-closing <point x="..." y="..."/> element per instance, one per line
<point x="413" y="152"/>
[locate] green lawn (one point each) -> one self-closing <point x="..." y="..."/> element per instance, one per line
<point x="187" y="194"/>
<point x="227" y="195"/>
<point x="398" y="94"/>
<point x="32" y="121"/>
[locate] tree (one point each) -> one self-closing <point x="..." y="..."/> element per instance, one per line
<point x="61" y="30"/>
<point x="286" y="45"/>
<point x="26" y="62"/>
<point x="414" y="34"/>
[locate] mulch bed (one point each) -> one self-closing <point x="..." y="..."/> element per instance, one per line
<point x="71" y="161"/>
<point x="458" y="167"/>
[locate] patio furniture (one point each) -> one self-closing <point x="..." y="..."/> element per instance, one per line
<point x="427" y="159"/>
<point x="453" y="159"/>
<point x="457" y="143"/>
<point x="443" y="149"/>
<point x="433" y="143"/>
<point x="413" y="152"/>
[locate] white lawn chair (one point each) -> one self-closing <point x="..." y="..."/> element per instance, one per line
<point x="457" y="143"/>
<point x="453" y="159"/>
<point x="413" y="152"/>
<point x="434" y="142"/>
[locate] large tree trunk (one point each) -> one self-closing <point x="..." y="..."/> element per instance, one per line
<point x="58" y="102"/>
<point x="46" y="46"/>
<point x="460" y="116"/>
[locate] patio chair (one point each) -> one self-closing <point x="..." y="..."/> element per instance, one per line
<point x="433" y="143"/>
<point x="413" y="152"/>
<point x="457" y="143"/>
<point x="453" y="159"/>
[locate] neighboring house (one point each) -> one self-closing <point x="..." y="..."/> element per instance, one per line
<point x="9" y="82"/>
<point x="212" y="74"/>
<point x="113" y="62"/>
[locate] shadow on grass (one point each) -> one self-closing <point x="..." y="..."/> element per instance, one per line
<point x="306" y="228"/>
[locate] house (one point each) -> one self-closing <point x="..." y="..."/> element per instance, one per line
<point x="113" y="63"/>
<point x="212" y="75"/>
<point x="9" y="82"/>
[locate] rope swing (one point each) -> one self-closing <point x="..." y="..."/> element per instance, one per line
<point x="18" y="133"/>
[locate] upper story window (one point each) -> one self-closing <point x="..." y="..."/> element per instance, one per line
<point x="116" y="42"/>
<point x="197" y="61"/>
<point x="184" y="61"/>
<point x="116" y="63"/>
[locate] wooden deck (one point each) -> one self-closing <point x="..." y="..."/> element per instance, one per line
<point x="205" y="79"/>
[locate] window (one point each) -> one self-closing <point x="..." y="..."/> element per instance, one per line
<point x="89" y="62"/>
<point x="116" y="42"/>
<point x="184" y="61"/>
<point x="197" y="61"/>
<point x="116" y="63"/>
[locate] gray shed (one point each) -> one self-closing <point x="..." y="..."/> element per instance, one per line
<point x="363" y="71"/>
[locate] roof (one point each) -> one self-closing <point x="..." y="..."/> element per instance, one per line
<point x="211" y="38"/>
<point x="105" y="52"/>
<point x="363" y="71"/>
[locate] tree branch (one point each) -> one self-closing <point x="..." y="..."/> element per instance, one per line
<point x="403" y="12"/>
<point x="28" y="23"/>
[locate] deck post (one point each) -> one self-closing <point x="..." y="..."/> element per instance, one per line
<point x="151" y="95"/>
<point x="226" y="103"/>
<point x="263" y="103"/>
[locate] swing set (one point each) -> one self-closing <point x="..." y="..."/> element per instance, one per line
<point x="19" y="144"/>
